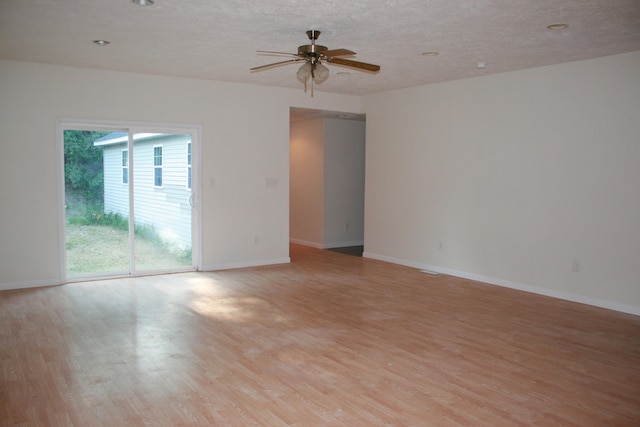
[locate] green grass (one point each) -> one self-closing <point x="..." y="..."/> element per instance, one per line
<point x="98" y="242"/>
<point x="94" y="249"/>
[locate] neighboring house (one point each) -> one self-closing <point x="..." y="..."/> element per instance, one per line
<point x="162" y="181"/>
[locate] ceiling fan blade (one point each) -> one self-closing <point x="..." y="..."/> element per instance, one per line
<point x="354" y="64"/>
<point x="268" y="52"/>
<point x="338" y="52"/>
<point x="275" y="64"/>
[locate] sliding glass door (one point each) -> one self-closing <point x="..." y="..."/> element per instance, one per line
<point x="162" y="197"/>
<point x="97" y="241"/>
<point x="129" y="201"/>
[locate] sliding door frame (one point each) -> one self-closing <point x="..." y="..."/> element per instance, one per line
<point x="132" y="127"/>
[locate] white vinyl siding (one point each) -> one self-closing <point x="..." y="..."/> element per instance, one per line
<point x="116" y="195"/>
<point x="167" y="208"/>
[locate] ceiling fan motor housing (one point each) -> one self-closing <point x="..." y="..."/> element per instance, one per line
<point x="311" y="50"/>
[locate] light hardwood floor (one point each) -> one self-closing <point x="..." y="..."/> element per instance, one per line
<point x="328" y="340"/>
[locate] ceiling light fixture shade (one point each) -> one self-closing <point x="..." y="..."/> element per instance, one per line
<point x="317" y="72"/>
<point x="304" y="73"/>
<point x="321" y="73"/>
<point x="142" y="2"/>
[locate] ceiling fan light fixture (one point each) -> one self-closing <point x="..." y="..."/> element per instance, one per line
<point x="304" y="72"/>
<point x="321" y="73"/>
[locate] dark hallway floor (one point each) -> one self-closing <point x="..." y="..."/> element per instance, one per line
<point x="349" y="250"/>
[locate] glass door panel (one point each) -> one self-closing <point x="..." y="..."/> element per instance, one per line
<point x="162" y="201"/>
<point x="97" y="236"/>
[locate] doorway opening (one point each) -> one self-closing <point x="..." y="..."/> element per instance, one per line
<point x="327" y="177"/>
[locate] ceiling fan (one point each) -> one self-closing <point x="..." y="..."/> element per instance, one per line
<point x="313" y="55"/>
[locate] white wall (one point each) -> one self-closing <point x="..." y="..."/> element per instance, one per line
<point x="517" y="175"/>
<point x="245" y="141"/>
<point x="306" y="182"/>
<point x="344" y="154"/>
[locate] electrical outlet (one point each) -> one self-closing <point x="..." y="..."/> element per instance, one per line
<point x="256" y="240"/>
<point x="270" y="182"/>
<point x="575" y="266"/>
<point x="346" y="226"/>
<point x="440" y="245"/>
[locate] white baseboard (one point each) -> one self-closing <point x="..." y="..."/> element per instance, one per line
<point x="26" y="285"/>
<point x="306" y="243"/>
<point x="42" y="283"/>
<point x="232" y="265"/>
<point x="228" y="266"/>
<point x="611" y="305"/>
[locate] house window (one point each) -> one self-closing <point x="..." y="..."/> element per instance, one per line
<point x="157" y="166"/>
<point x="188" y="166"/>
<point x="125" y="166"/>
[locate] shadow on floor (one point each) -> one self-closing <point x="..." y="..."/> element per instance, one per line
<point x="349" y="250"/>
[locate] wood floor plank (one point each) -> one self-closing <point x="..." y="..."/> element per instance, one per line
<point x="328" y="340"/>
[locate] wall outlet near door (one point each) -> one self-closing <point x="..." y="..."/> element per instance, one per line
<point x="575" y="266"/>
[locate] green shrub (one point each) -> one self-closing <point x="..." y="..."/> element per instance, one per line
<point x="79" y="220"/>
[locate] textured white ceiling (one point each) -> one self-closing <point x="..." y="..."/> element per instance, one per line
<point x="218" y="39"/>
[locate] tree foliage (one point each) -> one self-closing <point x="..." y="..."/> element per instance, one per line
<point x="83" y="168"/>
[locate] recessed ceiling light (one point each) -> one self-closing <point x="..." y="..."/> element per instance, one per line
<point x="343" y="73"/>
<point x="142" y="2"/>
<point x="481" y="65"/>
<point x="101" y="42"/>
<point x="557" y="26"/>
<point x="430" y="54"/>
